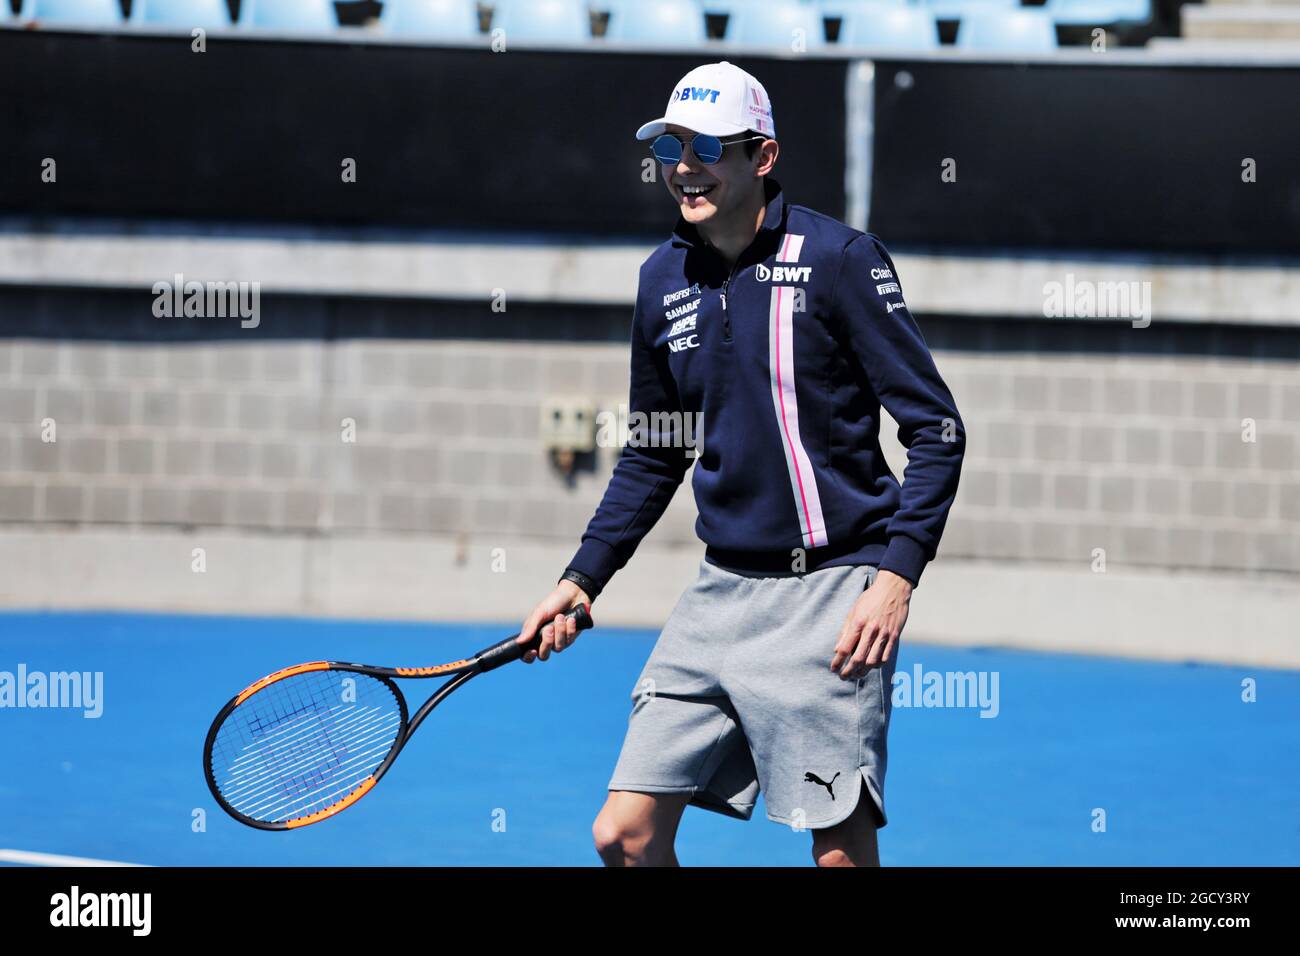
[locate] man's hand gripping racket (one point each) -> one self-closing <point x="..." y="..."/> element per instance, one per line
<point x="310" y="740"/>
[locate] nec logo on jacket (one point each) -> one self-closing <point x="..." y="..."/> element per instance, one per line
<point x="764" y="273"/>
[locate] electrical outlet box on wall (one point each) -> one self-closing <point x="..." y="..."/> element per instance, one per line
<point x="568" y="423"/>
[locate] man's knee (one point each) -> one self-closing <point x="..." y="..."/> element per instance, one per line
<point x="831" y="856"/>
<point x="619" y="839"/>
<point x="635" y="829"/>
<point x="608" y="836"/>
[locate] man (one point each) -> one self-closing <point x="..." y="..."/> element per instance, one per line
<point x="785" y="331"/>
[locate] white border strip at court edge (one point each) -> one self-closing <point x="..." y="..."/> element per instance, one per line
<point x="27" y="858"/>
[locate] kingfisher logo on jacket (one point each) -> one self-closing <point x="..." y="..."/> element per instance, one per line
<point x="689" y="291"/>
<point x="788" y="364"/>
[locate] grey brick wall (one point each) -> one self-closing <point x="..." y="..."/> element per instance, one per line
<point x="1143" y="457"/>
<point x="1140" y="456"/>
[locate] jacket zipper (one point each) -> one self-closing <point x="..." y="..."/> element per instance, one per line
<point x="726" y="320"/>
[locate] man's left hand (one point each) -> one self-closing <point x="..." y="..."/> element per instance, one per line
<point x="871" y="632"/>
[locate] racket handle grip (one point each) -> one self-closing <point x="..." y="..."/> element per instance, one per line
<point x="510" y="649"/>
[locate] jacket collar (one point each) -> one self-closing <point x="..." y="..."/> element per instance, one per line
<point x="773" y="219"/>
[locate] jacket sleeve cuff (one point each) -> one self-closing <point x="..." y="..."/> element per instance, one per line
<point x="596" y="560"/>
<point x="905" y="557"/>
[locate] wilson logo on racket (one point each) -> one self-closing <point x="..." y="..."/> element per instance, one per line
<point x="432" y="671"/>
<point x="306" y="742"/>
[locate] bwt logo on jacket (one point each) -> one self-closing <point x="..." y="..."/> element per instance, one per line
<point x="765" y="273"/>
<point x="698" y="93"/>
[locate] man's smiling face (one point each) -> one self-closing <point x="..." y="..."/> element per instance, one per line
<point x="705" y="192"/>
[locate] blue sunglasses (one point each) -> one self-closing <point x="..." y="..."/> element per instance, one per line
<point x="668" y="147"/>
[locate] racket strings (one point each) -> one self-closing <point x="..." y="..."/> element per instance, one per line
<point x="304" y="743"/>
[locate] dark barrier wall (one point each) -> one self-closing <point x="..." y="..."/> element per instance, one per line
<point x="255" y="130"/>
<point x="1051" y="155"/>
<point x="1087" y="156"/>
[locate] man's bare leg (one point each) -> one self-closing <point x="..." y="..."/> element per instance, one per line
<point x="639" y="829"/>
<point x="851" y="842"/>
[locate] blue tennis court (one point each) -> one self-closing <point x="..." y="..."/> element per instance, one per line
<point x="512" y="769"/>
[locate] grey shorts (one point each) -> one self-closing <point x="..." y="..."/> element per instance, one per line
<point x="738" y="696"/>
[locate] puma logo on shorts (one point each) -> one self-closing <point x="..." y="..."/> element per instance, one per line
<point x="811" y="777"/>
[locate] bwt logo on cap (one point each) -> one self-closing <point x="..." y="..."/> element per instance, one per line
<point x="697" y="93"/>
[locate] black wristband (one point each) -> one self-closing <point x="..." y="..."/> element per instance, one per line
<point x="586" y="582"/>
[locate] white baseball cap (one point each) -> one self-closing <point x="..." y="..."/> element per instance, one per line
<point x="717" y="98"/>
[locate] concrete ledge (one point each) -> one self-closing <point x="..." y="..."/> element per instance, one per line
<point x="1268" y="23"/>
<point x="1217" y="618"/>
<point x="1251" y="3"/>
<point x="450" y="267"/>
<point x="1231" y="51"/>
<point x="1007" y="283"/>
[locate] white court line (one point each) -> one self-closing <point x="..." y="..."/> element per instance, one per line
<point x="27" y="858"/>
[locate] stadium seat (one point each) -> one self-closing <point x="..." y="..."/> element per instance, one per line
<point x="74" y="12"/>
<point x="887" y="26"/>
<point x="773" y="24"/>
<point x="565" y="21"/>
<point x="448" y="19"/>
<point x="719" y="6"/>
<point x="665" y="21"/>
<point x="291" y="16"/>
<point x="1137" y="10"/>
<point x="960" y="9"/>
<point x="1086" y="12"/>
<point x="209" y="14"/>
<point x="845" y="8"/>
<point x="1007" y="31"/>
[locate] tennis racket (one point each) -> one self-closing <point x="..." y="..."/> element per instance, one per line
<point x="308" y="741"/>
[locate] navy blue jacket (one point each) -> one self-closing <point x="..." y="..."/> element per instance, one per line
<point x="777" y="368"/>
